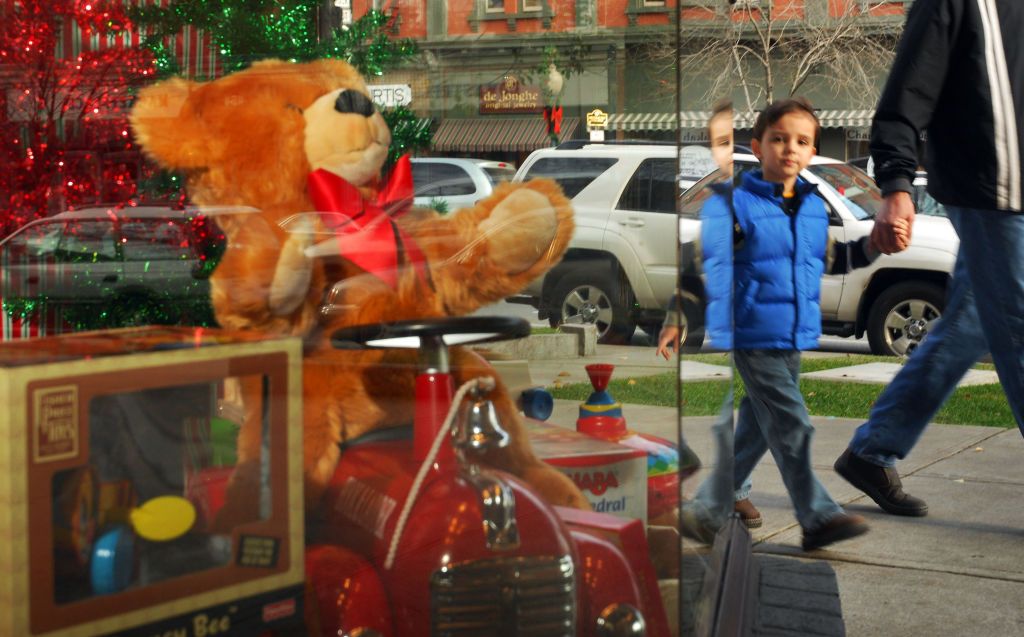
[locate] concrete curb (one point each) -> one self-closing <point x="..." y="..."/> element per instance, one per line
<point x="571" y="341"/>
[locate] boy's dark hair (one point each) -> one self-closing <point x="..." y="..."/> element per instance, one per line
<point x="778" y="108"/>
<point x="720" y="107"/>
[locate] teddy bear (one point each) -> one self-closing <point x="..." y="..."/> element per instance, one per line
<point x="285" y="140"/>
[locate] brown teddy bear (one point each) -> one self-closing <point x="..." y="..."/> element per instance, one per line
<point x="285" y="138"/>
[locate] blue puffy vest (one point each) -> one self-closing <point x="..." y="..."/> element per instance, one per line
<point x="777" y="267"/>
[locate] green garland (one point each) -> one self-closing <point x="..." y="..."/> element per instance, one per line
<point x="244" y="31"/>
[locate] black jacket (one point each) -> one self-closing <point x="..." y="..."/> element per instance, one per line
<point x="959" y="75"/>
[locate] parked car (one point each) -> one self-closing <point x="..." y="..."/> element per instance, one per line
<point x="621" y="268"/>
<point x="452" y="182"/>
<point x="112" y="267"/>
<point x="621" y="265"/>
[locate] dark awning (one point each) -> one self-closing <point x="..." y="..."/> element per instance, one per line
<point x="485" y="134"/>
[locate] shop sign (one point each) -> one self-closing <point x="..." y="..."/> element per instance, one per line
<point x="860" y="133"/>
<point x="695" y="162"/>
<point x="597" y="120"/>
<point x="510" y="96"/>
<point x="390" y="95"/>
<point x="694" y="136"/>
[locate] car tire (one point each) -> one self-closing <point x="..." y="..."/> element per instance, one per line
<point x="583" y="296"/>
<point x="901" y="317"/>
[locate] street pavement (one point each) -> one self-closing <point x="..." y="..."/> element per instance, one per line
<point x="958" y="572"/>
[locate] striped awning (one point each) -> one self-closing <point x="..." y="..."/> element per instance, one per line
<point x="667" y="121"/>
<point x="846" y="119"/>
<point x="485" y="134"/>
<point x="699" y="119"/>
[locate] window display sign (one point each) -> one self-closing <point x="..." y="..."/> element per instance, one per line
<point x="391" y="95"/>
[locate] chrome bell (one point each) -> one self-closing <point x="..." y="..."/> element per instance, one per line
<point x="621" y="620"/>
<point x="479" y="428"/>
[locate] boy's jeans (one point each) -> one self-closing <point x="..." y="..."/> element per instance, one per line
<point x="990" y="264"/>
<point x="772" y="416"/>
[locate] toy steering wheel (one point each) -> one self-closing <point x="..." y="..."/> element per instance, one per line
<point x="431" y="333"/>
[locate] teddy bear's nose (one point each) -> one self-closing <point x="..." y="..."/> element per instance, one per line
<point x="353" y="102"/>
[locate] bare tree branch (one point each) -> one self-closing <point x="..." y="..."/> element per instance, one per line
<point x="754" y="46"/>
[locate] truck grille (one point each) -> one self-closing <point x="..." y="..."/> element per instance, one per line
<point x="505" y="597"/>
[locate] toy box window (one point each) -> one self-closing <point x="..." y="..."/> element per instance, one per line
<point x="145" y="507"/>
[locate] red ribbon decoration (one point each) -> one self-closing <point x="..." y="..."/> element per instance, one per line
<point x="366" y="234"/>
<point x="553" y="116"/>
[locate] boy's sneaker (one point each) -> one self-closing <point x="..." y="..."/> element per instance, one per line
<point x="749" y="514"/>
<point x="881" y="484"/>
<point x="842" y="527"/>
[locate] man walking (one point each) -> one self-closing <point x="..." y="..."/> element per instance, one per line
<point x="959" y="75"/>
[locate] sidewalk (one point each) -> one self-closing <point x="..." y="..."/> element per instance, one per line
<point x="959" y="571"/>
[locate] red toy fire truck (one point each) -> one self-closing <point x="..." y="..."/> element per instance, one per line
<point x="118" y="458"/>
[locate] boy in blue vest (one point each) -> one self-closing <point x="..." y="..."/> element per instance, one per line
<point x="764" y="258"/>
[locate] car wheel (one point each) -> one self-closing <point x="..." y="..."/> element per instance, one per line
<point x="582" y="297"/>
<point x="902" y="316"/>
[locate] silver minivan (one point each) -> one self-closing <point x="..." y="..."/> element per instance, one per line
<point x="450" y="183"/>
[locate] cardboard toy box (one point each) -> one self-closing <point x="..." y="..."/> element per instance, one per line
<point x="111" y="440"/>
<point x="613" y="477"/>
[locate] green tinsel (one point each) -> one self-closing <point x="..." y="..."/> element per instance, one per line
<point x="244" y="31"/>
<point x="408" y="132"/>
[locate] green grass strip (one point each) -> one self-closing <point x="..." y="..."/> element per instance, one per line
<point x="974" y="405"/>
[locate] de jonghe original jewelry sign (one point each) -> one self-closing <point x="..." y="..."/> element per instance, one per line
<point x="510" y="96"/>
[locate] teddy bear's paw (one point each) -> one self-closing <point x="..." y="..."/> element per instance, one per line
<point x="520" y="229"/>
<point x="294" y="268"/>
<point x="555" y="487"/>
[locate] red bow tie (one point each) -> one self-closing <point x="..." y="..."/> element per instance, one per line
<point x="366" y="234"/>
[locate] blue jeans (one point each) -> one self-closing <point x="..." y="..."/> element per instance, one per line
<point x="989" y="272"/>
<point x="713" y="502"/>
<point x="772" y="417"/>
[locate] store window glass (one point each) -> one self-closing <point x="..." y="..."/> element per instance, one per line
<point x="424" y="316"/>
<point x="297" y="301"/>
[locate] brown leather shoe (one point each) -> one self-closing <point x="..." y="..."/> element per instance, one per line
<point x="748" y="513"/>
<point x="882" y="484"/>
<point x="842" y="527"/>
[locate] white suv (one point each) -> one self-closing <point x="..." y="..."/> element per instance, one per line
<point x="621" y="268"/>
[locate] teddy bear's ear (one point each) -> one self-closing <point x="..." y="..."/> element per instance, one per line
<point x="167" y="127"/>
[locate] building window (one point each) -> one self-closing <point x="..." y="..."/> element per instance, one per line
<point x="522" y="9"/>
<point x="634" y="8"/>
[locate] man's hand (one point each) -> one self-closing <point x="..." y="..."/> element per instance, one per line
<point x="668" y="339"/>
<point x="893" y="223"/>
